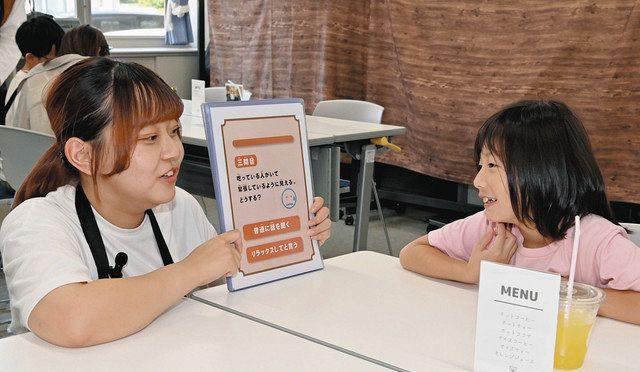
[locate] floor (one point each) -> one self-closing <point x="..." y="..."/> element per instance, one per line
<point x="402" y="229"/>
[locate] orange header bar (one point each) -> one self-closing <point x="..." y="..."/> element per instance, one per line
<point x="245" y="142"/>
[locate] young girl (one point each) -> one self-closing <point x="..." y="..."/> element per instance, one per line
<point x="536" y="172"/>
<point x="108" y="186"/>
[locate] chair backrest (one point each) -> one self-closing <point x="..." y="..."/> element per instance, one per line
<point x="634" y="235"/>
<point x="350" y="109"/>
<point x="20" y="149"/>
<point x="215" y="94"/>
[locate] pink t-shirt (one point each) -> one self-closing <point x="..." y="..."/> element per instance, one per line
<point x="606" y="259"/>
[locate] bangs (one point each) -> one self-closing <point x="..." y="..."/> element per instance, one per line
<point x="492" y="137"/>
<point x="140" y="98"/>
<point x="147" y="104"/>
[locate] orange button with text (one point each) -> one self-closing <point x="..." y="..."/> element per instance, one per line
<point x="275" y="249"/>
<point x="271" y="227"/>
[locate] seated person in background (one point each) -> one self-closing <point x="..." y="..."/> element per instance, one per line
<point x="12" y="14"/>
<point x="536" y="172"/>
<point x="77" y="44"/>
<point x="112" y="173"/>
<point x="85" y="41"/>
<point x="39" y="42"/>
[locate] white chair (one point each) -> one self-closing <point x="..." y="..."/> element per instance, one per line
<point x="357" y="111"/>
<point x="215" y="94"/>
<point x="20" y="149"/>
<point x="634" y="229"/>
<point x="350" y="109"/>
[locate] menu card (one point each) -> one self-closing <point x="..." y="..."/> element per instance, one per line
<point x="197" y="96"/>
<point x="516" y="321"/>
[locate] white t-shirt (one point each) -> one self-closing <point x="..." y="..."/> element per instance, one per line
<point x="8" y="47"/>
<point x="43" y="246"/>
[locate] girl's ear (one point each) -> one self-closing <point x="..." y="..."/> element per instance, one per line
<point x="78" y="153"/>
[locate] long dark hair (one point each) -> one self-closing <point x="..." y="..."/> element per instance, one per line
<point x="92" y="96"/>
<point x="551" y="170"/>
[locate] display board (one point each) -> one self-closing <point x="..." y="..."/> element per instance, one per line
<point x="260" y="166"/>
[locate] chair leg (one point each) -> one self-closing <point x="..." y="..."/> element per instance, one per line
<point x="379" y="207"/>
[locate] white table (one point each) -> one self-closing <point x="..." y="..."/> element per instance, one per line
<point x="365" y="302"/>
<point x="193" y="133"/>
<point x="325" y="131"/>
<point x="189" y="337"/>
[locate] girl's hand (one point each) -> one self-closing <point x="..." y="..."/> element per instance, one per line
<point x="501" y="250"/>
<point x="320" y="225"/>
<point x="217" y="257"/>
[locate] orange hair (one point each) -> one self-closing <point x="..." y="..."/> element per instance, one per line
<point x="92" y="96"/>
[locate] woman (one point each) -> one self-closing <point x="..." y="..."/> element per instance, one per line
<point x="108" y="186"/>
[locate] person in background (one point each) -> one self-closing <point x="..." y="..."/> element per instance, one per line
<point x="85" y="40"/>
<point x="107" y="186"/>
<point x="12" y="14"/>
<point x="39" y="41"/>
<point x="77" y="44"/>
<point x="536" y="172"/>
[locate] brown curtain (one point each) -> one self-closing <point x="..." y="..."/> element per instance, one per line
<point x="441" y="67"/>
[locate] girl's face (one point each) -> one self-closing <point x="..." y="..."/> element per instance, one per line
<point x="151" y="176"/>
<point x="491" y="182"/>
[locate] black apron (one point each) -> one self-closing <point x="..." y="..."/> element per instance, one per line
<point x="98" y="251"/>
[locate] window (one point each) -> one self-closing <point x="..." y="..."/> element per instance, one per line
<point x="125" y="23"/>
<point x="128" y="16"/>
<point x="57" y="8"/>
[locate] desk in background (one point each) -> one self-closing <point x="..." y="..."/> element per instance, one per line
<point x="367" y="303"/>
<point x="324" y="135"/>
<point x="189" y="337"/>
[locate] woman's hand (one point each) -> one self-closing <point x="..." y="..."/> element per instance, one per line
<point x="215" y="258"/>
<point x="501" y="250"/>
<point x="98" y="311"/>
<point x="320" y="224"/>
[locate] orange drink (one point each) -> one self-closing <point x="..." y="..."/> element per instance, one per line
<point x="574" y="324"/>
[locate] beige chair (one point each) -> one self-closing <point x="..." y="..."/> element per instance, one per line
<point x="20" y="149"/>
<point x="215" y="94"/>
<point x="356" y="110"/>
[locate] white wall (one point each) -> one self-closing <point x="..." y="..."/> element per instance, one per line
<point x="176" y="67"/>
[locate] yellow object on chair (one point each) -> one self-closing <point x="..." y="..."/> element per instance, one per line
<point x="384" y="142"/>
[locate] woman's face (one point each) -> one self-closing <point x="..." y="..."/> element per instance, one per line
<point x="493" y="188"/>
<point x="151" y="176"/>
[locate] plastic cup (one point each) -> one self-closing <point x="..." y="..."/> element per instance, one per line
<point x="575" y="323"/>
